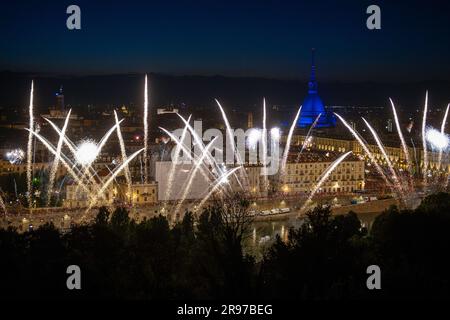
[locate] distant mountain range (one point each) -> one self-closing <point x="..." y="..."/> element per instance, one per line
<point x="243" y="92"/>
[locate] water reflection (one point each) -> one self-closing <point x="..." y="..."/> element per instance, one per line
<point x="264" y="233"/>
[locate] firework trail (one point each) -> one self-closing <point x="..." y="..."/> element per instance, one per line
<point x="288" y="143"/>
<point x="124" y="156"/>
<point x="72" y="147"/>
<point x="2" y="205"/>
<point x="217" y="184"/>
<point x="111" y="179"/>
<point x="309" y="133"/>
<point x="146" y="132"/>
<point x="424" y="141"/>
<point x="231" y="138"/>
<point x="63" y="161"/>
<point x="397" y="181"/>
<point x="324" y="177"/>
<point x="168" y="192"/>
<point x="76" y="153"/>
<point x="187" y="152"/>
<point x="367" y="151"/>
<point x="15" y="188"/>
<point x="193" y="173"/>
<point x="211" y="160"/>
<point x="404" y="146"/>
<point x="264" y="146"/>
<point x="444" y="120"/>
<point x="30" y="145"/>
<point x="56" y="159"/>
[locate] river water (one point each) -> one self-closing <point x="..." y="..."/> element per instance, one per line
<point x="263" y="233"/>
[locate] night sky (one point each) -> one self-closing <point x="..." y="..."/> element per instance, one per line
<point x="245" y="38"/>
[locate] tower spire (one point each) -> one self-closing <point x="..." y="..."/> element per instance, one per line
<point x="312" y="84"/>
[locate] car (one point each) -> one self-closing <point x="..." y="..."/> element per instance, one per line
<point x="285" y="210"/>
<point x="252" y="213"/>
<point x="275" y="211"/>
<point x="265" y="212"/>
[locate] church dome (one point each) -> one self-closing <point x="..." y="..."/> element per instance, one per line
<point x="313" y="106"/>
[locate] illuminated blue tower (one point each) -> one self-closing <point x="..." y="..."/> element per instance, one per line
<point x="313" y="106"/>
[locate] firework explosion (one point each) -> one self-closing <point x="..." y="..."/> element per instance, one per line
<point x="433" y="141"/>
<point x="15" y="156"/>
<point x="84" y="154"/>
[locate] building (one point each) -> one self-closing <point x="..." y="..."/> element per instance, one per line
<point x="302" y="176"/>
<point x="395" y="154"/>
<point x="313" y="106"/>
<point x="20" y="168"/>
<point x="142" y="194"/>
<point x="77" y="197"/>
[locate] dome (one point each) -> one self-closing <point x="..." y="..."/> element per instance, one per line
<point x="313" y="106"/>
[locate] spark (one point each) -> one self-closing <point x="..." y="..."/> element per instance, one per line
<point x="15" y="156"/>
<point x="308" y="135"/>
<point x="56" y="159"/>
<point x="424" y="141"/>
<point x="436" y="139"/>
<point x="231" y="140"/>
<point x="253" y="138"/>
<point x="222" y="179"/>
<point x="86" y="152"/>
<point x="383" y="151"/>
<point x="2" y="205"/>
<point x="444" y="120"/>
<point x="30" y="144"/>
<point x="364" y="146"/>
<point x="402" y="141"/>
<point x="193" y="173"/>
<point x="185" y="150"/>
<point x="146" y="131"/>
<point x="112" y="177"/>
<point x="124" y="155"/>
<point x="275" y="133"/>
<point x="63" y="161"/>
<point x="288" y="142"/>
<point x="168" y="192"/>
<point x="264" y="147"/>
<point x="324" y="177"/>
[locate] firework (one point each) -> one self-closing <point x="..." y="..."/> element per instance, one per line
<point x="30" y="144"/>
<point x="386" y="158"/>
<point x="124" y="156"/>
<point x="221" y="180"/>
<point x="437" y="140"/>
<point x="324" y="177"/>
<point x="264" y="147"/>
<point x="308" y="135"/>
<point x="175" y="160"/>
<point x="366" y="149"/>
<point x="288" y="142"/>
<point x="56" y="159"/>
<point x="424" y="140"/>
<point x="193" y="174"/>
<point x="146" y="131"/>
<point x="15" y="156"/>
<point x="253" y="138"/>
<point x="403" y="143"/>
<point x="444" y="120"/>
<point x="86" y="152"/>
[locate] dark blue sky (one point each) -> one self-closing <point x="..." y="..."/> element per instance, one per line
<point x="242" y="38"/>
